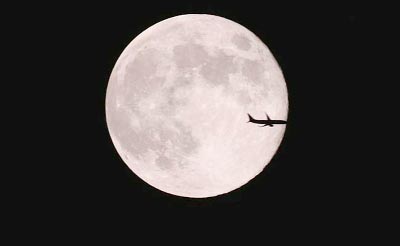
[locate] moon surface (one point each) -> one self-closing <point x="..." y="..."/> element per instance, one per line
<point x="177" y="103"/>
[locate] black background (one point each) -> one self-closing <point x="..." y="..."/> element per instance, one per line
<point x="316" y="180"/>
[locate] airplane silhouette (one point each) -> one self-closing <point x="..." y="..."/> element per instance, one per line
<point x="267" y="122"/>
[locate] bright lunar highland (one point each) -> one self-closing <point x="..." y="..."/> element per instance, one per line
<point x="177" y="103"/>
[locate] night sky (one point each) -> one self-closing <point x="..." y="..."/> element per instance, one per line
<point x="319" y="174"/>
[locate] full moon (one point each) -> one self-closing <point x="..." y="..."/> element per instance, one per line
<point x="177" y="103"/>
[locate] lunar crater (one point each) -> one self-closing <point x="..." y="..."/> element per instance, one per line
<point x="241" y="42"/>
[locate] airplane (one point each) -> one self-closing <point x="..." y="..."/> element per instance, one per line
<point x="267" y="122"/>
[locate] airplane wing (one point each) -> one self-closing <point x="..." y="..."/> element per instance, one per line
<point x="270" y="125"/>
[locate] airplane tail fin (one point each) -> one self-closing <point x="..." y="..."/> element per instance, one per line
<point x="251" y="119"/>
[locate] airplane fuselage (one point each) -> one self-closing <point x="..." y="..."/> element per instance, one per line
<point x="269" y="122"/>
